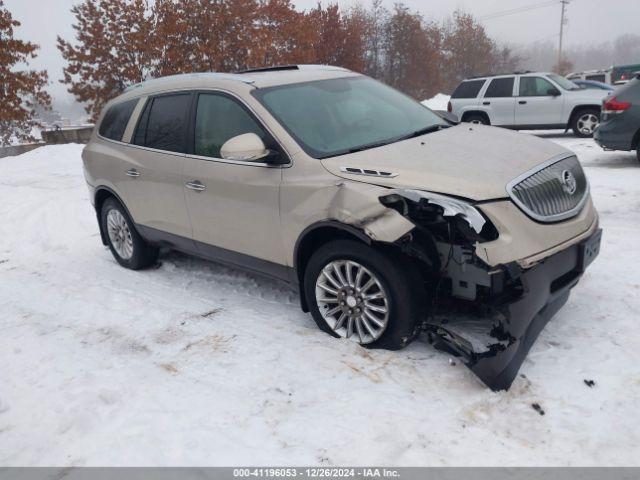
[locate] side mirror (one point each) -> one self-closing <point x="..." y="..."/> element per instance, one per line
<point x="247" y="147"/>
<point x="554" y="92"/>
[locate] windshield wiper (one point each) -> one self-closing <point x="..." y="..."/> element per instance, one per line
<point x="367" y="146"/>
<point x="417" y="133"/>
<point x="425" y="130"/>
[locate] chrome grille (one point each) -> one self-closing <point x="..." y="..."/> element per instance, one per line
<point x="554" y="191"/>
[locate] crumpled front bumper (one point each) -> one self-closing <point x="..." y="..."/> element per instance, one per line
<point x="494" y="345"/>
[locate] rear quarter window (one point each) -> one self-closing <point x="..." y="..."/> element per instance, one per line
<point x="116" y="119"/>
<point x="469" y="89"/>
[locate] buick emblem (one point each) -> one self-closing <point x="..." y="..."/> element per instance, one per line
<point x="569" y="183"/>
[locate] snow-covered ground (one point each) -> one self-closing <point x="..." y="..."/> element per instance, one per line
<point x="439" y="102"/>
<point x="194" y="363"/>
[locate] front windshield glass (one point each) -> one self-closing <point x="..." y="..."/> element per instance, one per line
<point x="563" y="82"/>
<point x="341" y="115"/>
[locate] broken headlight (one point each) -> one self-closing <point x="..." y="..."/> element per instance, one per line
<point x="438" y="211"/>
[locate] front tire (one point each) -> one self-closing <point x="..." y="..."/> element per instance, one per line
<point x="355" y="291"/>
<point x="585" y="122"/>
<point x="127" y="246"/>
<point x="477" y="119"/>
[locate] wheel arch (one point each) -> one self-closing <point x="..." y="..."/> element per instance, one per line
<point x="312" y="238"/>
<point x="102" y="193"/>
<point x="482" y="113"/>
<point x="578" y="108"/>
<point x="635" y="143"/>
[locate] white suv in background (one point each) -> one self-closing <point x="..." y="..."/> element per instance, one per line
<point x="528" y="101"/>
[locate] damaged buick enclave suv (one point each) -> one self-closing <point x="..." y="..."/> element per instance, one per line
<point x="390" y="220"/>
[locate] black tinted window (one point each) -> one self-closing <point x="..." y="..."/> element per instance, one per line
<point x="535" y="87"/>
<point x="500" y="87"/>
<point x="218" y="119"/>
<point x="163" y="124"/>
<point x="468" y="89"/>
<point x="115" y="120"/>
<point x="597" y="78"/>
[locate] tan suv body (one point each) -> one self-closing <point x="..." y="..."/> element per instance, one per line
<point x="391" y="221"/>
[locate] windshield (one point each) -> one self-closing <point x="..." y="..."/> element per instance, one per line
<point x="563" y="82"/>
<point x="342" y="115"/>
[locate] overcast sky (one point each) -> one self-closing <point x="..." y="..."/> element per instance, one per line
<point x="590" y="21"/>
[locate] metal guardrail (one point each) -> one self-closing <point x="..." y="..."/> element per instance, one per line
<point x="71" y="135"/>
<point x="50" y="137"/>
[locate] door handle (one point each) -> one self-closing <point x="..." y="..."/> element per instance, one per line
<point x="522" y="102"/>
<point x="486" y="103"/>
<point x="196" y="185"/>
<point x="132" y="172"/>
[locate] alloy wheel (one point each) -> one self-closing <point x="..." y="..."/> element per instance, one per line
<point x="352" y="301"/>
<point x="587" y="123"/>
<point x="119" y="234"/>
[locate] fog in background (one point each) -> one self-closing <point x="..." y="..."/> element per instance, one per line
<point x="598" y="33"/>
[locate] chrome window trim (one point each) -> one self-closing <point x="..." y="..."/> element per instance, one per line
<point x="157" y="150"/>
<point x="236" y="162"/>
<point x="551" y="218"/>
<point x="131" y="145"/>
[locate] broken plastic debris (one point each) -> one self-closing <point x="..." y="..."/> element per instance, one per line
<point x="537" y="408"/>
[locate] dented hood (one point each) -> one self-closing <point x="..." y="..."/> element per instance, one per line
<point x="470" y="161"/>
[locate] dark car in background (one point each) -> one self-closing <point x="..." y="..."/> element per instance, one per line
<point x="620" y="119"/>
<point x="593" y="84"/>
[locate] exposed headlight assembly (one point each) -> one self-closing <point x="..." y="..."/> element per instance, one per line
<point x="451" y="207"/>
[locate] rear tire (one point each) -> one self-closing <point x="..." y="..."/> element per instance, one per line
<point x="477" y="119"/>
<point x="127" y="246"/>
<point x="585" y="122"/>
<point x="394" y="287"/>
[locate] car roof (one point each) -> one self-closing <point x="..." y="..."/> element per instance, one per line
<point x="590" y="72"/>
<point x="257" y="78"/>
<point x="511" y="74"/>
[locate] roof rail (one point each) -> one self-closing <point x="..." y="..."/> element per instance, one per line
<point x="222" y="76"/>
<point x="519" y="72"/>
<point x="277" y="68"/>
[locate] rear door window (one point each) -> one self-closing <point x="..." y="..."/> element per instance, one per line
<point x="116" y="119"/>
<point x="468" y="89"/>
<point x="500" y="88"/>
<point x="535" y="87"/>
<point x="163" y="123"/>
